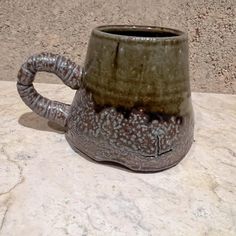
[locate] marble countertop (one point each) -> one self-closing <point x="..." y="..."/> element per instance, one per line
<point x="47" y="189"/>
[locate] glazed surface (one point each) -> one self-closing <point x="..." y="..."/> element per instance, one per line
<point x="140" y="141"/>
<point x="129" y="71"/>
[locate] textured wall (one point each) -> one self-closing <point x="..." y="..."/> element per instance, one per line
<point x="29" y="26"/>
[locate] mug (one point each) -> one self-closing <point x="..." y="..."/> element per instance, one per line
<point x="133" y="100"/>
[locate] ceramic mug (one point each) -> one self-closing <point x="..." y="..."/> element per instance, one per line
<point x="133" y="100"/>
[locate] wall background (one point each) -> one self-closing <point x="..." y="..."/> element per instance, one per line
<point x="31" y="26"/>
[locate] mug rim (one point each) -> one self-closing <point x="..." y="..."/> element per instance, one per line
<point x="172" y="34"/>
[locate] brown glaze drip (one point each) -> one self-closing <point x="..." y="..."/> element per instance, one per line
<point x="130" y="137"/>
<point x="126" y="113"/>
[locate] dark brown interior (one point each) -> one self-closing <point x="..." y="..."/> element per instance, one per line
<point x="140" y="33"/>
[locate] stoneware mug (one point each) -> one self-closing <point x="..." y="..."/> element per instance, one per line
<point x="133" y="101"/>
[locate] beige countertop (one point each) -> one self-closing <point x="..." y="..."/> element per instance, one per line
<point x="47" y="189"/>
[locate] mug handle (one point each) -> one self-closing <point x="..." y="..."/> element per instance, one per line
<point x="70" y="74"/>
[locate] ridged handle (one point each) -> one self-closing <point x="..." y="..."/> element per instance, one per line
<point x="65" y="69"/>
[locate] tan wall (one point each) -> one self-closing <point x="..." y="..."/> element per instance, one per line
<point x="28" y="27"/>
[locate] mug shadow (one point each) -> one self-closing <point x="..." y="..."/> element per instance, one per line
<point x="33" y="121"/>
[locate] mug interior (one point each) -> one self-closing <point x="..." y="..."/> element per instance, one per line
<point x="140" y="31"/>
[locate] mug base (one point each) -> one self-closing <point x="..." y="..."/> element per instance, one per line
<point x="136" y="168"/>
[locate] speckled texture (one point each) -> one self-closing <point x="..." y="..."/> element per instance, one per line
<point x="48" y="189"/>
<point x="31" y="26"/>
<point x="64" y="68"/>
<point x="134" y="141"/>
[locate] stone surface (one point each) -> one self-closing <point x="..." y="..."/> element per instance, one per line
<point x="48" y="189"/>
<point x="30" y="26"/>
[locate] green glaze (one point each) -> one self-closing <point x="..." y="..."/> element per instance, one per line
<point x="133" y="102"/>
<point x="137" y="66"/>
